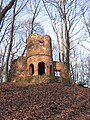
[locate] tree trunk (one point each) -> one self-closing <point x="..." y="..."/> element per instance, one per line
<point x="10" y="45"/>
<point x="58" y="47"/>
<point x="67" y="48"/>
<point x="62" y="39"/>
<point x="4" y="11"/>
<point x="73" y="76"/>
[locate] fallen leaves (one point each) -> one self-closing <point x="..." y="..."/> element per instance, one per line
<point x="54" y="101"/>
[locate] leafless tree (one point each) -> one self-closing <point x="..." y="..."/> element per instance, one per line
<point x="66" y="15"/>
<point x="3" y="11"/>
<point x="33" y="8"/>
<point x="85" y="11"/>
<point x="8" y="32"/>
<point x="54" y="26"/>
<point x="31" y="26"/>
<point x="10" y="45"/>
<point x="84" y="7"/>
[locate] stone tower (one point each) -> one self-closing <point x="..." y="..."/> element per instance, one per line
<point x="37" y="61"/>
<point x="39" y="55"/>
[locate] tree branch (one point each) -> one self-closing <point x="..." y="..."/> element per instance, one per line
<point x="4" y="11"/>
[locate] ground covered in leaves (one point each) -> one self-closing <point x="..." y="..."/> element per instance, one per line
<point x="51" y="101"/>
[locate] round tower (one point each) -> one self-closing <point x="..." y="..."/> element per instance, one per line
<point x="39" y="55"/>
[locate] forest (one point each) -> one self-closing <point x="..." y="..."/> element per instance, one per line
<point x="66" y="21"/>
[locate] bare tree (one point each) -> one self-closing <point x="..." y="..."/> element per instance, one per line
<point x="53" y="23"/>
<point x="66" y="14"/>
<point x="12" y="32"/>
<point x="4" y="11"/>
<point x="2" y="63"/>
<point x="33" y="8"/>
<point x="10" y="45"/>
<point x="31" y="26"/>
<point x="85" y="22"/>
<point x="85" y="12"/>
<point x="10" y="29"/>
<point x="89" y="67"/>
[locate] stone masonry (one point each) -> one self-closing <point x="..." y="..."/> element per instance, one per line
<point x="38" y="59"/>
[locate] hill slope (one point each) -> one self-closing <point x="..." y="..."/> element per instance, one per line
<point x="53" y="101"/>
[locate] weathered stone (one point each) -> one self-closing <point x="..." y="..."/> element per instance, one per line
<point x="38" y="59"/>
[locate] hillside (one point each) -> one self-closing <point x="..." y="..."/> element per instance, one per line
<point x="51" y="101"/>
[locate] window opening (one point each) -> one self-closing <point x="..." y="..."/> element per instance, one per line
<point x="41" y="43"/>
<point x="50" y="69"/>
<point x="41" y="68"/>
<point x="31" y="69"/>
<point x="57" y="73"/>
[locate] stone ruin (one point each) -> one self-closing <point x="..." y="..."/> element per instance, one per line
<point x="38" y="60"/>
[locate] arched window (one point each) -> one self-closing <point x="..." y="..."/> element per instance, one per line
<point x="50" y="69"/>
<point x="31" y="69"/>
<point x="41" y="41"/>
<point x="41" y="68"/>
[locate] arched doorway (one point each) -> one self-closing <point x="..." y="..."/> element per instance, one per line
<point x="50" y="69"/>
<point x="31" y="69"/>
<point x="41" y="68"/>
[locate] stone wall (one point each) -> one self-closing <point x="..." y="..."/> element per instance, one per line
<point x="18" y="68"/>
<point x="38" y="60"/>
<point x="37" y="44"/>
<point x="35" y="60"/>
<point x="39" y="50"/>
<point x="60" y="66"/>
